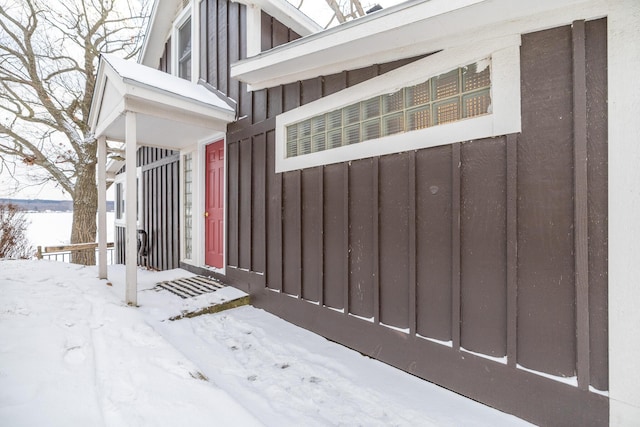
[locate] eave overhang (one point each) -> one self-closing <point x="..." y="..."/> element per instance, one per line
<point x="170" y="112"/>
<point x="164" y="13"/>
<point x="403" y="31"/>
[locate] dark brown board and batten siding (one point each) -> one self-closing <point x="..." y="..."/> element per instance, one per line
<point x="161" y="215"/>
<point x="469" y="245"/>
<point x="495" y="247"/>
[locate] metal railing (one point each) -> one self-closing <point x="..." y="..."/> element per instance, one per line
<point x="63" y="253"/>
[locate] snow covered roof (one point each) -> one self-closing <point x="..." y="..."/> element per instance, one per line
<point x="138" y="74"/>
<point x="171" y="112"/>
<point x="164" y="12"/>
<point x="408" y="29"/>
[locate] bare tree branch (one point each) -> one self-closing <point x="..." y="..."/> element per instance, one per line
<point x="48" y="57"/>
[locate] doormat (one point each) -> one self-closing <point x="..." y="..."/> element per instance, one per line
<point x="190" y="286"/>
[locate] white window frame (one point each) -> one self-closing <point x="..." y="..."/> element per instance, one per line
<point x="192" y="10"/>
<point x="121" y="179"/>
<point x="194" y="197"/>
<point x="198" y="151"/>
<point x="504" y="118"/>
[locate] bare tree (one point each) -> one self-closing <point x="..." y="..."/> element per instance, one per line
<point x="13" y="238"/>
<point x="48" y="57"/>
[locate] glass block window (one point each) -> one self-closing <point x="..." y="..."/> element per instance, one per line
<point x="458" y="94"/>
<point x="188" y="205"/>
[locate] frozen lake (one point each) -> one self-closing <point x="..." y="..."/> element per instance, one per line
<point x="54" y="228"/>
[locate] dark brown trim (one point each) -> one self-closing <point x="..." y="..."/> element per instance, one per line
<point x="277" y="233"/>
<point x="375" y="232"/>
<point x="412" y="245"/>
<point x="242" y="129"/>
<point x="164" y="161"/>
<point x="347" y="255"/>
<point x="248" y="281"/>
<point x="321" y="235"/>
<point x="512" y="249"/>
<point x="580" y="203"/>
<point x="455" y="245"/>
<point x="495" y="384"/>
<point x="299" y="228"/>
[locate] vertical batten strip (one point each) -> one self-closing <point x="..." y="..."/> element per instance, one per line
<point x="298" y="225"/>
<point x="580" y="203"/>
<point x="412" y="244"/>
<point x="279" y="230"/>
<point x="321" y="237"/>
<point x="346" y="221"/>
<point x="455" y="246"/>
<point x="512" y="249"/>
<point x="249" y="197"/>
<point x="375" y="230"/>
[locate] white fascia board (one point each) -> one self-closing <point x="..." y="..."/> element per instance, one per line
<point x="96" y="100"/>
<point x="107" y="121"/>
<point x="159" y="26"/>
<point x="405" y="31"/>
<point x="287" y="14"/>
<point x="151" y="95"/>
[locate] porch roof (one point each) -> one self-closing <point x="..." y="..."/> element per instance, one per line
<point x="170" y="112"/>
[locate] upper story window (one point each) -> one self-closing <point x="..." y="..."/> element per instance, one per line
<point x="184" y="50"/>
<point x="456" y="95"/>
<point x="185" y="42"/>
<point x="459" y="94"/>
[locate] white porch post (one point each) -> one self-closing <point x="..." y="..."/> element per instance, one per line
<point x="623" y="26"/>
<point x="131" y="204"/>
<point x="102" y="207"/>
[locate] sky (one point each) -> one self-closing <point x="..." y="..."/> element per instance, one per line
<point x="73" y="354"/>
<point x="320" y="12"/>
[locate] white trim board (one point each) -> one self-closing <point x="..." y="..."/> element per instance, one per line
<point x="623" y="34"/>
<point x="505" y="97"/>
<point x="406" y="30"/>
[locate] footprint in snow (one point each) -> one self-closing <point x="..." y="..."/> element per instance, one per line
<point x="74" y="355"/>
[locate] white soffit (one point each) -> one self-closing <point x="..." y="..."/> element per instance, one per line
<point x="287" y="14"/>
<point x="405" y="30"/>
<point x="171" y="112"/>
<point x="158" y="27"/>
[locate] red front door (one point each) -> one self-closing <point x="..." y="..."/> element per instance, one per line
<point x="214" y="205"/>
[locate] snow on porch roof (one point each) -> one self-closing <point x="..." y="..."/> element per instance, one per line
<point x="160" y="80"/>
<point x="171" y="112"/>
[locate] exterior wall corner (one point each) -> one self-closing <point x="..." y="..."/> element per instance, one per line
<point x="624" y="205"/>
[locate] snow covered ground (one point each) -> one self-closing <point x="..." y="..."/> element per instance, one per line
<point x="54" y="228"/>
<point x="73" y="354"/>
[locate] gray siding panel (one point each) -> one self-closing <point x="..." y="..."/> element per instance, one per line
<point x="433" y="246"/>
<point x="335" y="227"/>
<point x="274" y="218"/>
<point x="483" y="247"/>
<point x="311" y="234"/>
<point x="546" y="291"/>
<point x="245" y="216"/>
<point x="360" y="238"/>
<point x="393" y="223"/>
<point x="258" y="213"/>
<point x="291" y="234"/>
